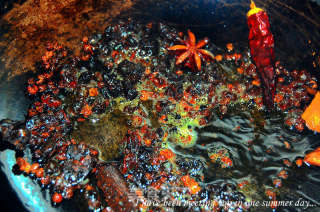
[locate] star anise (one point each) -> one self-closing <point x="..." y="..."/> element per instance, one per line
<point x="192" y="50"/>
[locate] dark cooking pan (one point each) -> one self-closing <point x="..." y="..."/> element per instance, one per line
<point x="295" y="25"/>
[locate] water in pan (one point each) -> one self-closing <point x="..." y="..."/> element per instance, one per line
<point x="223" y="135"/>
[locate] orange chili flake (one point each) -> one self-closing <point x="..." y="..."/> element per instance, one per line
<point x="39" y="172"/>
<point x="86" y="110"/>
<point x="147" y="142"/>
<point x="185" y="140"/>
<point x="34" y="168"/>
<point x="278" y="98"/>
<point x="114" y="54"/>
<point x="227" y="162"/>
<point x="139" y="192"/>
<point x="56" y="197"/>
<point x="21" y="162"/>
<point x="32" y="112"/>
<point x="133" y="55"/>
<point x="299" y="162"/>
<point x="218" y="57"/>
<point x="240" y="70"/>
<point x="229" y="46"/>
<point x="45" y="180"/>
<point x="85" y="57"/>
<point x="45" y="135"/>
<point x="256" y="82"/>
<point x="94" y="152"/>
<point x="80" y="119"/>
<point x="277" y="183"/>
<point x="287" y="162"/>
<point x="230" y="86"/>
<point x="147" y="71"/>
<point x="93" y="92"/>
<point x="85" y="39"/>
<point x="283" y="174"/>
<point x="149" y="25"/>
<point x="148" y="176"/>
<point x="162" y="119"/>
<point x="243" y="184"/>
<point x="88" y="48"/>
<point x="237" y="56"/>
<point x="179" y="72"/>
<point x="189" y="182"/>
<point x="40" y="79"/>
<point x="271" y="194"/>
<point x="287" y="145"/>
<point x="280" y="79"/>
<point x="32" y="89"/>
<point x="145" y="95"/>
<point x="136" y="120"/>
<point x="299" y="126"/>
<point x="89" y="187"/>
<point x="157" y="184"/>
<point x="258" y="101"/>
<point x="167" y="154"/>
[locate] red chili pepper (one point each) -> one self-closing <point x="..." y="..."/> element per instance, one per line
<point x="262" y="50"/>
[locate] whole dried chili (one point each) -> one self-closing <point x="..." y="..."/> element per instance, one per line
<point x="262" y="50"/>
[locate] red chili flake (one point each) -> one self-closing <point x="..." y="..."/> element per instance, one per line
<point x="55" y="103"/>
<point x="61" y="156"/>
<point x="80" y="119"/>
<point x="287" y="162"/>
<point x="32" y="112"/>
<point x="45" y="135"/>
<point x="45" y="99"/>
<point x="137" y="120"/>
<point x="30" y="81"/>
<point x="101" y="84"/>
<point x="86" y="110"/>
<point x="45" y="180"/>
<point x="39" y="172"/>
<point x="72" y="84"/>
<point x="107" y="102"/>
<point x="133" y="55"/>
<point x="42" y="88"/>
<point x="299" y="126"/>
<point x="189" y="182"/>
<point x="40" y="79"/>
<point x="68" y="192"/>
<point x="94" y="152"/>
<point x="271" y="194"/>
<point x="167" y="154"/>
<point x="88" y="48"/>
<point x="32" y="89"/>
<point x="243" y="184"/>
<point x="227" y="162"/>
<point x="114" y="54"/>
<point x="93" y="92"/>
